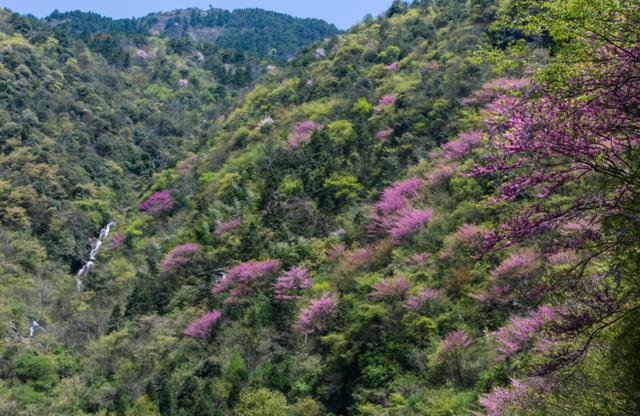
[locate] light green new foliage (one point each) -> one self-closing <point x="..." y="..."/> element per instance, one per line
<point x="340" y="131"/>
<point x="143" y="406"/>
<point x="261" y="402"/>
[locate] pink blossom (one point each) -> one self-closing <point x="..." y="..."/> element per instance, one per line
<point x="227" y="226"/>
<point x="517" y="265"/>
<point x="117" y="240"/>
<point x="319" y="315"/>
<point x="432" y="66"/>
<point x="240" y="279"/>
<point x="183" y="82"/>
<point x="493" y="294"/>
<point x="563" y="258"/>
<point x="456" y="339"/>
<point x="185" y="165"/>
<point x="394" y="215"/>
<point x="384" y="133"/>
<point x="392" y="200"/>
<point x="424" y="295"/>
<point x="395" y="197"/>
<point x="388" y="289"/>
<point x="441" y="173"/>
<point x="302" y="134"/>
<point x="292" y="282"/>
<point x="361" y="256"/>
<point x="410" y="222"/>
<point x="492" y="89"/>
<point x="467" y="235"/>
<point x="157" y="202"/>
<point x="336" y="251"/>
<point x="519" y="333"/>
<point x="522" y="393"/>
<point x="385" y="101"/>
<point x="420" y="258"/>
<point x="201" y="326"/>
<point x="142" y="54"/>
<point x="391" y="67"/>
<point x="180" y="255"/>
<point x="460" y="146"/>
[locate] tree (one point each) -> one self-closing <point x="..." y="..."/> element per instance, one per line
<point x="143" y="406"/>
<point x="261" y="402"/>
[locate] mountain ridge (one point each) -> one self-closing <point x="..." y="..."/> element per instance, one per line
<point x="246" y="29"/>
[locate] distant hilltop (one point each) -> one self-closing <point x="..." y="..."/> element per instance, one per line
<point x="268" y="34"/>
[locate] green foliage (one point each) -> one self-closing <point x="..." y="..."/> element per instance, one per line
<point x="39" y="370"/>
<point x="261" y="402"/>
<point x="143" y="406"/>
<point x="97" y="116"/>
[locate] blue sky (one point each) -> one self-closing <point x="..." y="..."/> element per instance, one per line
<point x="343" y="13"/>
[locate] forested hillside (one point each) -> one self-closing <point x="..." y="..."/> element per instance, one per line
<point x="264" y="33"/>
<point x="434" y="213"/>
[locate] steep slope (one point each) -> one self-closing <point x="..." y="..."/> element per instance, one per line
<point x="267" y="34"/>
<point x="430" y="214"/>
<point x="83" y="128"/>
<point x="289" y="176"/>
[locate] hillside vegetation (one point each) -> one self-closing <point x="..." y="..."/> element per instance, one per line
<point x="264" y="33"/>
<point x="434" y="213"/>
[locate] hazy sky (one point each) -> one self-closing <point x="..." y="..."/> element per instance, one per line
<point x="343" y="13"/>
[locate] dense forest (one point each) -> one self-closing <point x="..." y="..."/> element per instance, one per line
<point x="264" y="33"/>
<point x="433" y="213"/>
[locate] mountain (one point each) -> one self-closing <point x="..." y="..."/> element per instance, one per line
<point x="432" y="213"/>
<point x="267" y="34"/>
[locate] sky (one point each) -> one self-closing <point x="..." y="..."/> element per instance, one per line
<point x="342" y="13"/>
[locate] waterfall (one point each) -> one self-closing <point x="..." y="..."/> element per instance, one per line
<point x="32" y="328"/>
<point x="95" y="247"/>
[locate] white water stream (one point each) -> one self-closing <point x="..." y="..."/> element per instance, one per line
<point x="95" y="248"/>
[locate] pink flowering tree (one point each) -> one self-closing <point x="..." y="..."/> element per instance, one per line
<point x="201" y="327"/>
<point x="439" y="175"/>
<point x="391" y="67"/>
<point x="117" y="240"/>
<point x="242" y="280"/>
<point x="410" y="222"/>
<point x="178" y="256"/>
<point x="390" y="289"/>
<point x="289" y="285"/>
<point x="157" y="202"/>
<point x="468" y="238"/>
<point x="564" y="154"/>
<point x="520" y="333"/>
<point x="360" y="257"/>
<point x="319" y="316"/>
<point x="459" y="146"/>
<point x="452" y="356"/>
<point x="385" y="133"/>
<point x="302" y="134"/>
<point x="546" y="142"/>
<point x="394" y="214"/>
<point x="384" y="102"/>
<point x="227" y="226"/>
<point x="523" y="394"/>
<point x="425" y="296"/>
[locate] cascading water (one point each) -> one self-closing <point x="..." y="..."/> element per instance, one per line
<point x="95" y="247"/>
<point x="32" y="328"/>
